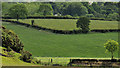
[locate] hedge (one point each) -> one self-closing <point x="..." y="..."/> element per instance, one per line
<point x="43" y="17"/>
<point x="94" y="60"/>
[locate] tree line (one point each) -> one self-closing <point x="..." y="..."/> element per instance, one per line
<point x="107" y="10"/>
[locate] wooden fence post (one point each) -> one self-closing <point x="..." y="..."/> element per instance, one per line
<point x="51" y="60"/>
<point x="32" y="21"/>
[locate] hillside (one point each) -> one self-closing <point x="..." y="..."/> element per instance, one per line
<point x="12" y="61"/>
<point x="13" y="53"/>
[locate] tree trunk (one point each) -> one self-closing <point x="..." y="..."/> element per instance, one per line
<point x="17" y="17"/>
<point x="112" y="54"/>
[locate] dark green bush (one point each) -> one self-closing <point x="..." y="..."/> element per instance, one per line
<point x="11" y="41"/>
<point x="83" y="23"/>
<point x="26" y="56"/>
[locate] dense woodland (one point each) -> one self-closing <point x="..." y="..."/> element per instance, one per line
<point x="105" y="10"/>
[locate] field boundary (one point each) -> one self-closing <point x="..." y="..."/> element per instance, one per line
<point x="56" y="17"/>
<point x="61" y="31"/>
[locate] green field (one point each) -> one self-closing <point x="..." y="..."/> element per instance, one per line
<point x="70" y="24"/>
<point x="45" y="44"/>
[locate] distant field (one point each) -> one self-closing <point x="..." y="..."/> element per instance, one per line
<point x="45" y="44"/>
<point x="70" y="24"/>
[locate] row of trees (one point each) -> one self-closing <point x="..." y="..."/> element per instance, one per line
<point x="107" y="10"/>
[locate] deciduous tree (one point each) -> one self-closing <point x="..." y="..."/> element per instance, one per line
<point x="46" y="9"/>
<point x="83" y="23"/>
<point x="111" y="46"/>
<point x="18" y="11"/>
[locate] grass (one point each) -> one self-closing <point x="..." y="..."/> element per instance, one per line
<point x="12" y="61"/>
<point x="45" y="44"/>
<point x="70" y="24"/>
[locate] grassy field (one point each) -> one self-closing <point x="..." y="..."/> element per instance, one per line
<point x="70" y="24"/>
<point x="45" y="44"/>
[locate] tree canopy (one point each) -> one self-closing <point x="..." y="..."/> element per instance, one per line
<point x="18" y="11"/>
<point x="111" y="46"/>
<point x="96" y="9"/>
<point x="83" y="23"/>
<point x="45" y="9"/>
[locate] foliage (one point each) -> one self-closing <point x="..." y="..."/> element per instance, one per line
<point x="13" y="44"/>
<point x="113" y="16"/>
<point x="11" y="41"/>
<point x="98" y="9"/>
<point x="45" y="9"/>
<point x="32" y="8"/>
<point x="83" y="23"/>
<point x="5" y="8"/>
<point x="111" y="46"/>
<point x="26" y="56"/>
<point x="89" y="15"/>
<point x="75" y="9"/>
<point x="18" y="11"/>
<point x="35" y="61"/>
<point x="119" y="10"/>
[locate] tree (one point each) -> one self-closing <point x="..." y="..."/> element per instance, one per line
<point x="111" y="46"/>
<point x="18" y="11"/>
<point x="33" y="8"/>
<point x="113" y="16"/>
<point x="46" y="9"/>
<point x="83" y="23"/>
<point x="119" y="10"/>
<point x="5" y="8"/>
<point x="76" y="9"/>
<point x="96" y="7"/>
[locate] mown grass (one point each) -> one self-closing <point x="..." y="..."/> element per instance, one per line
<point x="45" y="44"/>
<point x="70" y="24"/>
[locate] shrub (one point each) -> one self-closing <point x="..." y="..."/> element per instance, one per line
<point x="26" y="56"/>
<point x="36" y="61"/>
<point x="83" y="23"/>
<point x="13" y="44"/>
<point x="11" y="41"/>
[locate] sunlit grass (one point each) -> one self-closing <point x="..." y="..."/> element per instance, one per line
<point x="70" y="24"/>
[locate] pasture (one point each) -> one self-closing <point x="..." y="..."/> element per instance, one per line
<point x="45" y="44"/>
<point x="70" y="24"/>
